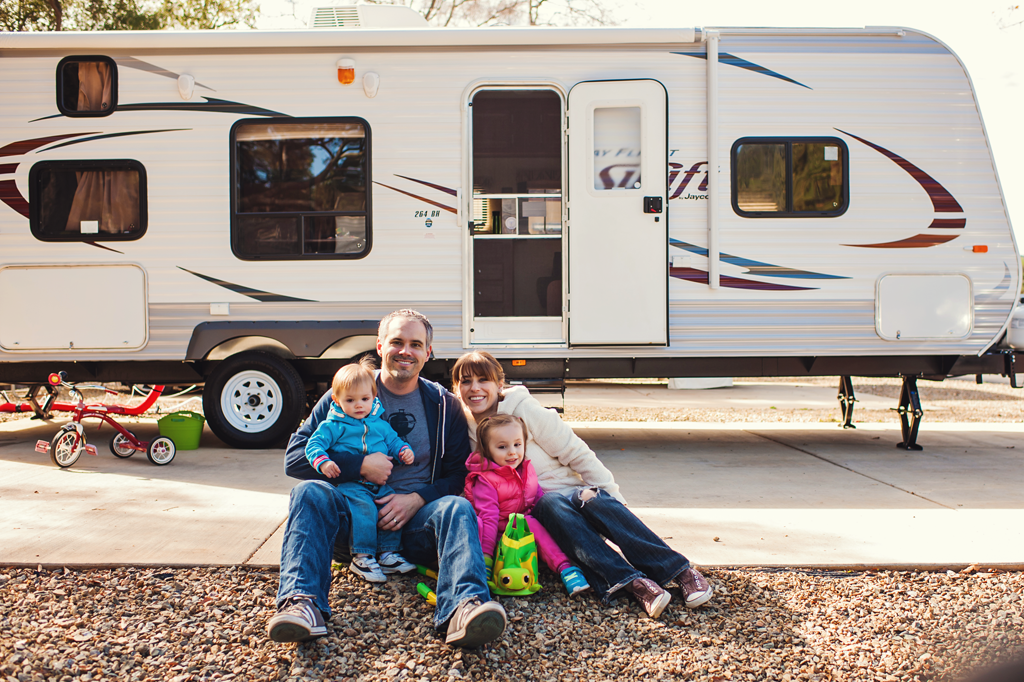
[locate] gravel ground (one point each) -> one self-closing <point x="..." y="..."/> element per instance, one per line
<point x="205" y="624"/>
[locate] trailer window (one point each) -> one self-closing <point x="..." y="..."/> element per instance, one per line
<point x="795" y="177"/>
<point x="86" y="86"/>
<point x="301" y="189"/>
<point x="87" y="200"/>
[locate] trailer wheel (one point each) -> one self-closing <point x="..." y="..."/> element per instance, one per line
<point x="253" y="400"/>
<point x="121" y="447"/>
<point x="66" y="447"/>
<point x="161" y="451"/>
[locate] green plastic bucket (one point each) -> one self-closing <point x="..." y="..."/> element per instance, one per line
<point x="184" y="428"/>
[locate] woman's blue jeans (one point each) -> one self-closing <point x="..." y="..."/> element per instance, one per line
<point x="580" y="529"/>
<point x="443" y="531"/>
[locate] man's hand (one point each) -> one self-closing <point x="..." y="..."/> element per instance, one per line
<point x="397" y="510"/>
<point x="376" y="468"/>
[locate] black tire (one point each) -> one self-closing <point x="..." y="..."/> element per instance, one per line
<point x="120" y="446"/>
<point x="253" y="400"/>
<point x="161" y="451"/>
<point x="63" y="449"/>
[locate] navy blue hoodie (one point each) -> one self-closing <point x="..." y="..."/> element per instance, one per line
<point x="450" y="437"/>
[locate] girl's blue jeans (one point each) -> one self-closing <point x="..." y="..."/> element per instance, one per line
<point x="443" y="531"/>
<point x="580" y="529"/>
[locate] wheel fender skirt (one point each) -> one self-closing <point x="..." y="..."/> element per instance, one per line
<point x="305" y="339"/>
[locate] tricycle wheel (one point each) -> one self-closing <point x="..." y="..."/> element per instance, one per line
<point x="121" y="445"/>
<point x="161" y="451"/>
<point x="66" y="447"/>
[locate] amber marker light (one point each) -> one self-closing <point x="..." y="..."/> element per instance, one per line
<point x="519" y="363"/>
<point x="980" y="248"/>
<point x="346" y="71"/>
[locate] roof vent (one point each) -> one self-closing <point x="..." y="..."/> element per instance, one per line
<point x="366" y="16"/>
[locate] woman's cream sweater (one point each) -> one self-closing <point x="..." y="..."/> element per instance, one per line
<point x="561" y="459"/>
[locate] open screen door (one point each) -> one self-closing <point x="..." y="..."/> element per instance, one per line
<point x="618" y="222"/>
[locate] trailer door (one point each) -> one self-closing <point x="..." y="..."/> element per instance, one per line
<point x="618" y="220"/>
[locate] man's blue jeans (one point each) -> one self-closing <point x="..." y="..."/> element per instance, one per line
<point x="366" y="538"/>
<point x="443" y="531"/>
<point x="580" y="529"/>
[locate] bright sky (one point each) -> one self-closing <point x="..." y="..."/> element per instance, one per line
<point x="994" y="57"/>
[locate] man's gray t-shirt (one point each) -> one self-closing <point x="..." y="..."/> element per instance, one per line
<point x="406" y="415"/>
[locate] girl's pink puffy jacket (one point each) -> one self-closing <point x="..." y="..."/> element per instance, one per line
<point x="498" y="491"/>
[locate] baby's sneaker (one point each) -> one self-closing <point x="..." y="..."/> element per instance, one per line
<point x="393" y="562"/>
<point x="366" y="567"/>
<point x="574" y="581"/>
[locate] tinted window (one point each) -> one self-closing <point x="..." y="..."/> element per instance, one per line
<point x="86" y="86"/>
<point x="796" y="177"/>
<point x="301" y="189"/>
<point x="87" y="200"/>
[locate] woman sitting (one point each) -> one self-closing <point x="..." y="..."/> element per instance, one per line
<point x="586" y="506"/>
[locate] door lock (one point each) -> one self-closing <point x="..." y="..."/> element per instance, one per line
<point x="652" y="204"/>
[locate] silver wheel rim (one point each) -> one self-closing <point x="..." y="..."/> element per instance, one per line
<point x="162" y="450"/>
<point x="66" y="452"/>
<point x="251" y="402"/>
<point x="123" y="445"/>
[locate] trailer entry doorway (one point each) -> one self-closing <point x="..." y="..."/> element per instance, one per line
<point x="517" y="254"/>
<point x="618" y="213"/>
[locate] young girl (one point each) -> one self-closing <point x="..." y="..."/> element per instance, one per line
<point x="502" y="482"/>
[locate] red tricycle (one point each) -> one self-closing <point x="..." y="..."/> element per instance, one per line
<point x="69" y="443"/>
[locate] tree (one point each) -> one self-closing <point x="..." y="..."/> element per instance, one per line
<point x="1012" y="18"/>
<point x="124" y="15"/>
<point x="508" y="12"/>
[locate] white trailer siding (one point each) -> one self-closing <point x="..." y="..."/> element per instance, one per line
<point x="906" y="94"/>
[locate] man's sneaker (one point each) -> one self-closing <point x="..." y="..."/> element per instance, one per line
<point x="298" y="620"/>
<point x="695" y="588"/>
<point x="475" y="624"/>
<point x="650" y="595"/>
<point x="574" y="581"/>
<point x="367" y="568"/>
<point x="393" y="562"/>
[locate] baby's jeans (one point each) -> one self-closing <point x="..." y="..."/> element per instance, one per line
<point x="366" y="537"/>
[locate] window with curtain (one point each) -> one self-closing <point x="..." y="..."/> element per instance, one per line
<point x="87" y="200"/>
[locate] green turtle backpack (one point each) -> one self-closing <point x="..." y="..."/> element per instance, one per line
<point x="515" y="560"/>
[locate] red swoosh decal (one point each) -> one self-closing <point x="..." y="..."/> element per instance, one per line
<point x="416" y="196"/>
<point x="942" y="200"/>
<point x="695" y="275"/>
<point x="446" y="190"/>
<point x="918" y="241"/>
<point x="949" y="222"/>
<point x="10" y="195"/>
<point x="22" y="146"/>
<point x="6" y="168"/>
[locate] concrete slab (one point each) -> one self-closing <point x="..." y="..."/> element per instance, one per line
<point x="209" y="506"/>
<point x="819" y="496"/>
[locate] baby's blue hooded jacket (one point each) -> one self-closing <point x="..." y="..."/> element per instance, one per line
<point x="340" y="436"/>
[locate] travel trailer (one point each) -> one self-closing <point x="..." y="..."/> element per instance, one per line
<point x="241" y="208"/>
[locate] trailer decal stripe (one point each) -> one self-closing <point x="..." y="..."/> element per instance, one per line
<point x="24" y="146"/>
<point x="756" y="267"/>
<point x="261" y="296"/>
<point x="942" y="200"/>
<point x="945" y="223"/>
<point x="446" y="190"/>
<point x="133" y="63"/>
<point x="733" y="60"/>
<point x="108" y="135"/>
<point x="8" y="168"/>
<point x="416" y="196"/>
<point x="212" y="104"/>
<point x="919" y="241"/>
<point x="10" y="195"/>
<point x="701" y="277"/>
<point x="101" y="246"/>
<point x="1000" y="289"/>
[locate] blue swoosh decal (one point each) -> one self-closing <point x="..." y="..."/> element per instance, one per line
<point x="733" y="60"/>
<point x="755" y="267"/>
